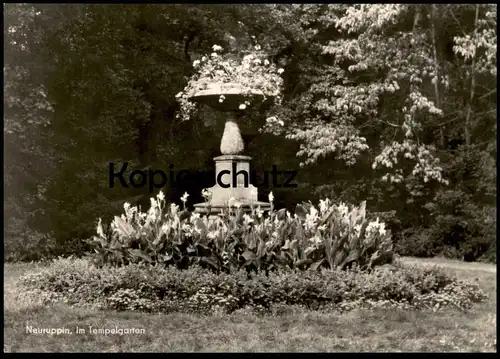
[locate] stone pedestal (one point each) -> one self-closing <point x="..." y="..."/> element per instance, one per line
<point x="232" y="180"/>
<point x="232" y="170"/>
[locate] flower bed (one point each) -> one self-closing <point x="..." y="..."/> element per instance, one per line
<point x="196" y="290"/>
<point x="328" y="236"/>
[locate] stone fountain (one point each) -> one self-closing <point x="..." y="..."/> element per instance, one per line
<point x="231" y="148"/>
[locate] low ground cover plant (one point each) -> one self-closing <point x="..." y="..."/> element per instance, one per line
<point x="139" y="287"/>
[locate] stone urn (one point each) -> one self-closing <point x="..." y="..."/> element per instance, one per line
<point x="232" y="168"/>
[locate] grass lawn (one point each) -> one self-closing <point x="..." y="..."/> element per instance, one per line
<point x="360" y="330"/>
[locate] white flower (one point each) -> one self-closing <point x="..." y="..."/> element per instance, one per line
<point x="281" y="123"/>
<point x="161" y="196"/>
<point x="213" y="54"/>
<point x="178" y="95"/>
<point x="311" y="218"/>
<point x="196" y="230"/>
<point x="242" y="106"/>
<point x="381" y="229"/>
<point x="280" y="71"/>
<point x="247" y="219"/>
<point x="257" y="47"/>
<point x="257" y="61"/>
<point x="126" y="205"/>
<point x="184" y="197"/>
<point x="324" y="205"/>
<point x="259" y="212"/>
<point x="153" y="203"/>
<point x="316" y="239"/>
<point x="375" y="227"/>
<point x="165" y="227"/>
<point x="271" y="119"/>
<point x="174" y="208"/>
<point x="99" y="228"/>
<point x="357" y="230"/>
<point x="151" y="217"/>
<point x="196" y="63"/>
<point x="343" y="209"/>
<point x="206" y="194"/>
<point x="186" y="227"/>
<point x="217" y="48"/>
<point x="266" y="62"/>
<point x="194" y="216"/>
<point x="271" y="197"/>
<point x="204" y="58"/>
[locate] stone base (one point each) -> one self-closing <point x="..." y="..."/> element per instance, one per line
<point x="232" y="171"/>
<point x="216" y="209"/>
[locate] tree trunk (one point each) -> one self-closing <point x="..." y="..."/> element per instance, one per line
<point x="472" y="92"/>
<point x="436" y="70"/>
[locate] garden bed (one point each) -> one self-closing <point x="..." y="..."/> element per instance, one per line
<point x="196" y="290"/>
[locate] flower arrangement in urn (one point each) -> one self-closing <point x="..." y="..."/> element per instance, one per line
<point x="254" y="77"/>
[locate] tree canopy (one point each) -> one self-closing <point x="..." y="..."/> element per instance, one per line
<point x="390" y="103"/>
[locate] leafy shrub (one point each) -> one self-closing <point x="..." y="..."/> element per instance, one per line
<point x="416" y="242"/>
<point x="461" y="230"/>
<point x="24" y="244"/>
<point x="328" y="237"/>
<point x="490" y="256"/>
<point x="157" y="289"/>
<point x="462" y="224"/>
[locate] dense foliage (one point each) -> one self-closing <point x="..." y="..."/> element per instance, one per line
<point x="392" y="104"/>
<point x="328" y="237"/>
<point x="156" y="289"/>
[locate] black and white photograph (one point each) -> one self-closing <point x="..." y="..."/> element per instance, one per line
<point x="250" y="177"/>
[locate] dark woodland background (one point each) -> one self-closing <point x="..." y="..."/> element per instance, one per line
<point x="86" y="85"/>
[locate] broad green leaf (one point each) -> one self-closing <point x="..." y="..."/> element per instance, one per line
<point x="123" y="228"/>
<point x="249" y="255"/>
<point x="137" y="253"/>
<point x="301" y="211"/>
<point x="353" y="256"/>
<point x="316" y="265"/>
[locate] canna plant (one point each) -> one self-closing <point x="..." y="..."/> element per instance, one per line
<point x="328" y="236"/>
